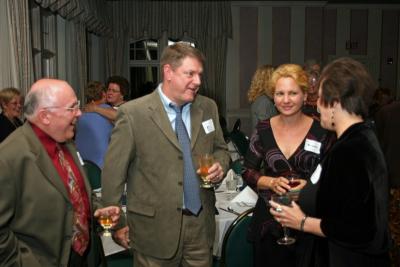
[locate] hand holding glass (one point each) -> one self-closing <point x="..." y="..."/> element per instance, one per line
<point x="106" y="222"/>
<point x="205" y="162"/>
<point x="284" y="199"/>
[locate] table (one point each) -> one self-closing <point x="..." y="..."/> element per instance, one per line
<point x="222" y="221"/>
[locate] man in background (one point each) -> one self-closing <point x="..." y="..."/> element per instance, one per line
<point x="93" y="131"/>
<point x="156" y="140"/>
<point x="45" y="199"/>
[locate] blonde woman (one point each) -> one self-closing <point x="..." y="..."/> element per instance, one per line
<point x="10" y="101"/>
<point x="290" y="144"/>
<point x="262" y="107"/>
<point x="351" y="215"/>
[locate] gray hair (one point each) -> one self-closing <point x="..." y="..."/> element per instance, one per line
<point x="39" y="98"/>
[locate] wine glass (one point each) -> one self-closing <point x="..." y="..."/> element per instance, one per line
<point x="284" y="199"/>
<point x="294" y="181"/>
<point x="106" y="222"/>
<point x="205" y="162"/>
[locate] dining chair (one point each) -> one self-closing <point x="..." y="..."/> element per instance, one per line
<point x="236" y="250"/>
<point x="93" y="172"/>
<point x="239" y="138"/>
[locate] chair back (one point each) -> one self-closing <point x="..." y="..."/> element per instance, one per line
<point x="93" y="172"/>
<point x="236" y="250"/>
<point x="239" y="139"/>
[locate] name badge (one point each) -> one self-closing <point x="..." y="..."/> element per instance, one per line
<point x="80" y="158"/>
<point x="316" y="174"/>
<point x="312" y="146"/>
<point x="208" y="126"/>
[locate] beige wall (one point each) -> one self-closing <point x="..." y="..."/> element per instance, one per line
<point x="272" y="32"/>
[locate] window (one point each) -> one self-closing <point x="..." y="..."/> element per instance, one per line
<point x="143" y="67"/>
<point x="43" y="41"/>
<point x="144" y="62"/>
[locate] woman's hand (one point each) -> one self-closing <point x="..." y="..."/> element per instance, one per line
<point x="279" y="185"/>
<point x="287" y="216"/>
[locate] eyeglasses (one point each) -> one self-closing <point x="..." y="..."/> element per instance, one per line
<point x="113" y="90"/>
<point x="14" y="103"/>
<point x="72" y="109"/>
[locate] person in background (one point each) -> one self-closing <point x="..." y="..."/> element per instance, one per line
<point x="46" y="204"/>
<point x="117" y="90"/>
<point x="387" y="126"/>
<point x="93" y="131"/>
<point x="352" y="200"/>
<point x="290" y="144"/>
<point x="10" y="102"/>
<point x="262" y="107"/>
<point x="170" y="218"/>
<point x="310" y="106"/>
<point x="312" y="65"/>
<point x="382" y="97"/>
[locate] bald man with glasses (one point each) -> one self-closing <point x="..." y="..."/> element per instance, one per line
<point x="46" y="206"/>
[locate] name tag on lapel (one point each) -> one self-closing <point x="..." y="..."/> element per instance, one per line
<point x="208" y="126"/>
<point x="312" y="146"/>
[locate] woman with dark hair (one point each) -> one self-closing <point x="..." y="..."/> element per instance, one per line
<point x="352" y="200"/>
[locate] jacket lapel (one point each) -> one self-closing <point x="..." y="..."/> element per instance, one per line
<point x="160" y="118"/>
<point x="44" y="162"/>
<point x="196" y="114"/>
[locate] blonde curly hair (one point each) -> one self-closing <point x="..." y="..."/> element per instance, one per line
<point x="260" y="82"/>
<point x="294" y="71"/>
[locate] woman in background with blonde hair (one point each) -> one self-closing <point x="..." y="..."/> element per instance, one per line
<point x="10" y="101"/>
<point x="262" y="107"/>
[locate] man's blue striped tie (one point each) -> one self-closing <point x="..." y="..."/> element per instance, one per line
<point x="191" y="186"/>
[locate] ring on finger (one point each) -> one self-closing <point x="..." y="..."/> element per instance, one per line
<point x="278" y="208"/>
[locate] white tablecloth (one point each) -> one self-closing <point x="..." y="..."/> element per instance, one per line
<point x="223" y="220"/>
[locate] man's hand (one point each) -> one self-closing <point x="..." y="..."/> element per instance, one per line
<point x="113" y="211"/>
<point x="121" y="236"/>
<point x="215" y="173"/>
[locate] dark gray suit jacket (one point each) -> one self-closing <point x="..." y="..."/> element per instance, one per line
<point x="145" y="152"/>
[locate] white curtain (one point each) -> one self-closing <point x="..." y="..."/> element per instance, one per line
<point x="15" y="47"/>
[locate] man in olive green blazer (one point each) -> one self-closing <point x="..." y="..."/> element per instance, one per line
<point x="36" y="213"/>
<point x="145" y="152"/>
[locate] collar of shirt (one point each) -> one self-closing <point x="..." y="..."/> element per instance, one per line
<point x="172" y="114"/>
<point x="48" y="142"/>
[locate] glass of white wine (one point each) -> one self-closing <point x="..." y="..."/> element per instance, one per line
<point x="205" y="162"/>
<point x="106" y="222"/>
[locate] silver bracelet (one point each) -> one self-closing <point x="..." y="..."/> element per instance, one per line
<point x="302" y="223"/>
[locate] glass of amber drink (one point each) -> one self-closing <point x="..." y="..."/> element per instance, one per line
<point x="205" y="162"/>
<point x="106" y="222"/>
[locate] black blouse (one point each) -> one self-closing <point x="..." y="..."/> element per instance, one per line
<point x="7" y="127"/>
<point x="352" y="200"/>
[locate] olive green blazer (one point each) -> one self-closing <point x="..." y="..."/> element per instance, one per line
<point x="144" y="151"/>
<point x="36" y="216"/>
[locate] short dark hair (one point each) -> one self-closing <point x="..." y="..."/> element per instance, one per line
<point x="174" y="54"/>
<point x="122" y="83"/>
<point x="94" y="91"/>
<point x="348" y="82"/>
